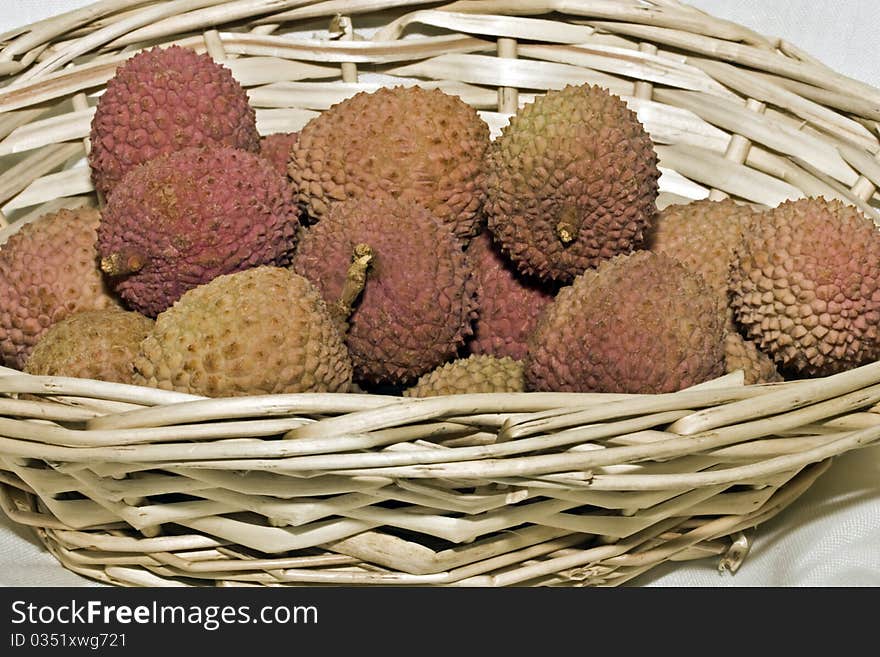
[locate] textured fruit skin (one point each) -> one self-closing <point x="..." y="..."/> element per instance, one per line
<point x="471" y="375"/>
<point x="704" y="236"/>
<point x="577" y="157"/>
<point x="742" y="354"/>
<point x="806" y="286"/>
<point x="276" y="148"/>
<point x="96" y="344"/>
<point x="163" y="100"/>
<point x="419" y="299"/>
<point x="261" y="331"/>
<point x="509" y="303"/>
<point x="192" y="215"/>
<point x="48" y="271"/>
<point x="638" y="323"/>
<point x="414" y="144"/>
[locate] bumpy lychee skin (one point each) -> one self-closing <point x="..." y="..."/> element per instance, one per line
<point x="418" y="145"/>
<point x="261" y="331"/>
<point x="48" y="271"/>
<point x="509" y="303"/>
<point x="417" y="305"/>
<point x="96" y="344"/>
<point x="742" y="354"/>
<point x="471" y="375"/>
<point x="571" y="181"/>
<point x="638" y="323"/>
<point x="182" y="219"/>
<point x="806" y="286"/>
<point x="704" y="236"/>
<point x="160" y="101"/>
<point x="276" y="148"/>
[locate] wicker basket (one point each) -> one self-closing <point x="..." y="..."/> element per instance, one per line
<point x="135" y="486"/>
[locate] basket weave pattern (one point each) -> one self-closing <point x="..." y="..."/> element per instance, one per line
<point x="134" y="486"/>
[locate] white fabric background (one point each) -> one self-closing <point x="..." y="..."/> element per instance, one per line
<point x="831" y="535"/>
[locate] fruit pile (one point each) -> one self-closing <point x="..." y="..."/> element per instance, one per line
<point x="391" y="246"/>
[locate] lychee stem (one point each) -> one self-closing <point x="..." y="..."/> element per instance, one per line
<point x="355" y="281"/>
<point x="121" y="264"/>
<point x="567" y="227"/>
<point x="566" y="232"/>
